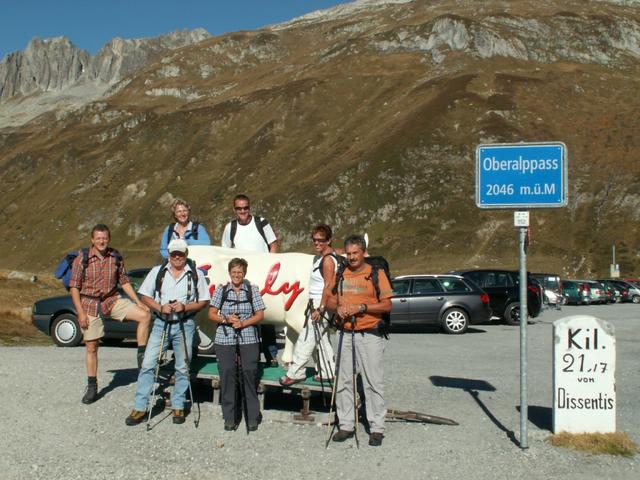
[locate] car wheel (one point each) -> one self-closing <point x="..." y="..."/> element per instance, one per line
<point x="206" y="345"/>
<point x="512" y="314"/>
<point x="455" y="321"/>
<point x="65" y="330"/>
<point x="635" y="299"/>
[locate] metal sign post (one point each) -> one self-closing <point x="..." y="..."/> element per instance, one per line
<point x="522" y="176"/>
<point x="522" y="260"/>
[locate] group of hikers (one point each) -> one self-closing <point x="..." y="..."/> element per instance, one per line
<point x="345" y="292"/>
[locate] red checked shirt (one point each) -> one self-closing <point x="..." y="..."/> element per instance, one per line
<point x="99" y="284"/>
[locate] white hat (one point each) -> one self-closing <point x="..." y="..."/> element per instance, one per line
<point x="177" y="245"/>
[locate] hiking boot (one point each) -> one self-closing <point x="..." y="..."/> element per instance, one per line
<point x="287" y="381"/>
<point x="342" y="435"/>
<point x="375" y="439"/>
<point x="230" y="426"/>
<point x="90" y="394"/>
<point x="252" y="427"/>
<point x="135" y="417"/>
<point x="178" y="417"/>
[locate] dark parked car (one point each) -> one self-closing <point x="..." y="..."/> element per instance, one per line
<point x="446" y="300"/>
<point x="630" y="292"/>
<point x="611" y="291"/>
<point x="57" y="316"/>
<point x="504" y="292"/>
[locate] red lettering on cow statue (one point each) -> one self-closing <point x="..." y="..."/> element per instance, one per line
<point x="294" y="289"/>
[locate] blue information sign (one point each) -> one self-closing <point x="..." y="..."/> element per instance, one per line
<point x="521" y="175"/>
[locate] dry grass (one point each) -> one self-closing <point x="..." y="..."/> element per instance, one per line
<point x="17" y="297"/>
<point x="16" y="329"/>
<point x="618" y="443"/>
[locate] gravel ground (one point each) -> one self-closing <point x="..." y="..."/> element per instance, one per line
<point x="48" y="433"/>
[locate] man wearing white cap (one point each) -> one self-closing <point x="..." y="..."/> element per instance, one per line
<point x="175" y="292"/>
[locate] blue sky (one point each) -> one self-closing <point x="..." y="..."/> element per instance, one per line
<point x="89" y="24"/>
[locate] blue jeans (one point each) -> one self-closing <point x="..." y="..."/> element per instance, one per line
<point x="148" y="370"/>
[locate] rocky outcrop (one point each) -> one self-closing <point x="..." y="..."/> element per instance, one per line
<point x="44" y="65"/>
<point x="120" y="58"/>
<point x="56" y="64"/>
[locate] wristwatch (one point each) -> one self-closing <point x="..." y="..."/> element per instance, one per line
<point x="363" y="308"/>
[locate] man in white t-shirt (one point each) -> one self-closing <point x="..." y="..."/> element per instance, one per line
<point x="247" y="232"/>
<point x="252" y="233"/>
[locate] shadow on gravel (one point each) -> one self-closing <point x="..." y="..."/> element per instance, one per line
<point x="541" y="417"/>
<point x="121" y="378"/>
<point x="473" y="388"/>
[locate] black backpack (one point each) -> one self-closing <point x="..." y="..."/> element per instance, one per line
<point x="194" y="230"/>
<point x="259" y="222"/>
<point x="340" y="262"/>
<point x="193" y="278"/>
<point x="377" y="263"/>
<point x="249" y="300"/>
<point x="63" y="270"/>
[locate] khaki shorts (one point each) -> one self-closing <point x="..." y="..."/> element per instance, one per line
<point x="95" y="330"/>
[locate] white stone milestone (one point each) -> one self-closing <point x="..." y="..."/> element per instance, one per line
<point x="584" y="387"/>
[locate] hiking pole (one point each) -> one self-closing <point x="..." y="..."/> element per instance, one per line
<point x="240" y="378"/>
<point x="157" y="373"/>
<point x="331" y="426"/>
<point x="355" y="386"/>
<point x="188" y="363"/>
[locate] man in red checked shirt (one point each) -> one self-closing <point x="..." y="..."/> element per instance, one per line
<point x="94" y="291"/>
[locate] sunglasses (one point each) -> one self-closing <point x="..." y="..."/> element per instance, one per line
<point x="241" y="209"/>
<point x="318" y="240"/>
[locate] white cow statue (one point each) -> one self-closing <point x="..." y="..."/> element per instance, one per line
<point x="282" y="278"/>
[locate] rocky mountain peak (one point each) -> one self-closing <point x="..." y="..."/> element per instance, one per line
<point x="56" y="64"/>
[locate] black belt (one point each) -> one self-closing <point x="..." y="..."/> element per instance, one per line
<point x="173" y="322"/>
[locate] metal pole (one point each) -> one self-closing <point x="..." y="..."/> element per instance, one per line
<point x="523" y="340"/>
<point x="614" y="253"/>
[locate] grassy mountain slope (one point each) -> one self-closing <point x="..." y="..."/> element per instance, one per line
<point x="368" y="122"/>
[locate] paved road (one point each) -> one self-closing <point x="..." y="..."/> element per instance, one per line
<point x="48" y="433"/>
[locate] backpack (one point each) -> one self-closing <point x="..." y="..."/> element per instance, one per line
<point x="340" y="262"/>
<point x="63" y="270"/>
<point x="249" y="300"/>
<point x="259" y="222"/>
<point x="377" y="263"/>
<point x="192" y="274"/>
<point x="194" y="230"/>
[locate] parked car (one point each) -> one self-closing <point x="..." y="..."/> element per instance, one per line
<point x="596" y="291"/>
<point x="630" y="292"/>
<point x="575" y="293"/>
<point x="450" y="301"/>
<point x="504" y="292"/>
<point x="57" y="316"/>
<point x="611" y="290"/>
<point x="552" y="288"/>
